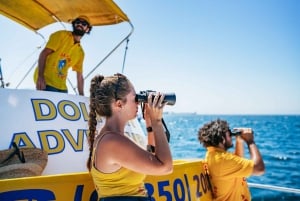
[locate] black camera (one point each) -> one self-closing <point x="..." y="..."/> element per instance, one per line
<point x="142" y="97"/>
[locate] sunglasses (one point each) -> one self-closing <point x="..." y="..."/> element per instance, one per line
<point x="83" y="23"/>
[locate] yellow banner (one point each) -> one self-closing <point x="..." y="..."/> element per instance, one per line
<point x="188" y="182"/>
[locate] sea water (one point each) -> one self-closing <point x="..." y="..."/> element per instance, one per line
<point x="277" y="137"/>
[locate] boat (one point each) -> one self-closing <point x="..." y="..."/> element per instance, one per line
<point x="57" y="123"/>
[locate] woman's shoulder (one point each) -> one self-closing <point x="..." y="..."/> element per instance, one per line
<point x="112" y="137"/>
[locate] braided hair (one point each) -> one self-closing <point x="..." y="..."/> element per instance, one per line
<point x="103" y="92"/>
<point x="212" y="133"/>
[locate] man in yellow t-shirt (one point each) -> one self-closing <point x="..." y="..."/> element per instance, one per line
<point x="62" y="51"/>
<point x="228" y="171"/>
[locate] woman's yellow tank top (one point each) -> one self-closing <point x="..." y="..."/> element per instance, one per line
<point x="123" y="182"/>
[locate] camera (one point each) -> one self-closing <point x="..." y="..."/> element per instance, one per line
<point x="142" y="97"/>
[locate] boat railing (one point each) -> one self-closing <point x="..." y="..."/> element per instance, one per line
<point x="122" y="41"/>
<point x="274" y="188"/>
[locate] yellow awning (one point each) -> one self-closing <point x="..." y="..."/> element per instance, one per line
<point x="35" y="14"/>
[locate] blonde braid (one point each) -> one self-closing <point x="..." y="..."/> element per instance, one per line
<point x="95" y="82"/>
<point x="103" y="91"/>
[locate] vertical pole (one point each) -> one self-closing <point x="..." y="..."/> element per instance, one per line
<point x="1" y="76"/>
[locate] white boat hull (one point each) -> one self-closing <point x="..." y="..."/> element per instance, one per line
<point x="57" y="123"/>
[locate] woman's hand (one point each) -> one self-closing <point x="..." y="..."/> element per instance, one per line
<point x="155" y="106"/>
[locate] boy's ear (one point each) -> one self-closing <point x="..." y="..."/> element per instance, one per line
<point x="223" y="140"/>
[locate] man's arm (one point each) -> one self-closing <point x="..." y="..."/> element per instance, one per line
<point x="80" y="83"/>
<point x="239" y="146"/>
<point x="40" y="83"/>
<point x="259" y="166"/>
<point x="248" y="137"/>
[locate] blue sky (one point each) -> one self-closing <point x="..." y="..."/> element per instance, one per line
<point x="219" y="57"/>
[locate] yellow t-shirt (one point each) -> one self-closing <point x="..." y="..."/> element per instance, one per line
<point x="228" y="174"/>
<point x="66" y="54"/>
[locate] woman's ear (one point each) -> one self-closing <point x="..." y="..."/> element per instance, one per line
<point x="119" y="103"/>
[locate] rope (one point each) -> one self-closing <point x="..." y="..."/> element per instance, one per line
<point x="275" y="188"/>
<point x="110" y="52"/>
<point x="125" y="53"/>
<point x="33" y="65"/>
<point x="72" y="86"/>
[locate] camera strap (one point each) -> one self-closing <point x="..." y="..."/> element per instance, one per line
<point x="166" y="130"/>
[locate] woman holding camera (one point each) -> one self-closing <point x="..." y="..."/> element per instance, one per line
<point x="118" y="166"/>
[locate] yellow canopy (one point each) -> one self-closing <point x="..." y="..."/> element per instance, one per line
<point x="35" y="14"/>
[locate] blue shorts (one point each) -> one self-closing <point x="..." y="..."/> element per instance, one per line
<point x="125" y="198"/>
<point x="50" y="88"/>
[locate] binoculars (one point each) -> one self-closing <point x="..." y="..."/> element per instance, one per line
<point x="142" y="97"/>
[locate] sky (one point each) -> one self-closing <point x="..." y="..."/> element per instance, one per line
<point x="218" y="57"/>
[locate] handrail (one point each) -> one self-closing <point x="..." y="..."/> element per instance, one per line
<point x="132" y="28"/>
<point x="34" y="64"/>
<point x="275" y="188"/>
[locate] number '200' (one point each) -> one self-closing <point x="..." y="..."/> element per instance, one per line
<point x="179" y="188"/>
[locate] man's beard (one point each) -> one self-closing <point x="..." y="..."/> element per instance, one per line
<point x="227" y="145"/>
<point x="78" y="32"/>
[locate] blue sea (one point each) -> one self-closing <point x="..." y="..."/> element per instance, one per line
<point x="277" y="137"/>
